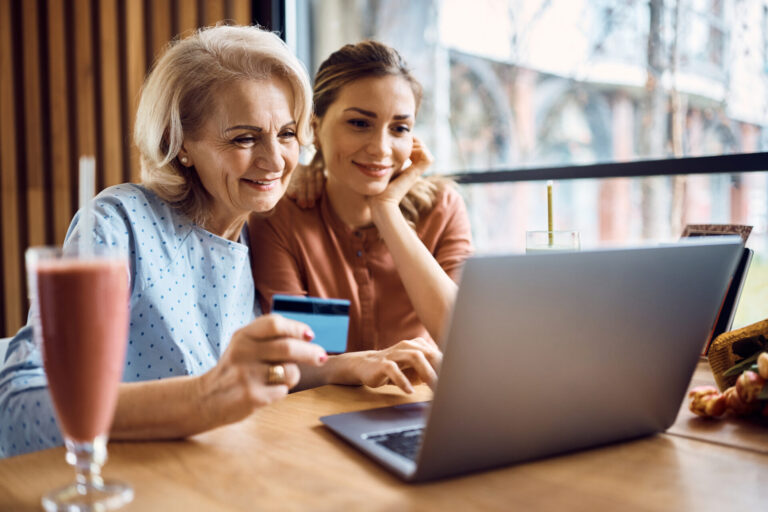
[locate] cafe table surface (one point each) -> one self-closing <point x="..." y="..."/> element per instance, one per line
<point x="282" y="458"/>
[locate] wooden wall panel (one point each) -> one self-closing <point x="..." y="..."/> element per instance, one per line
<point x="215" y="11"/>
<point x="186" y="17"/>
<point x="160" y="16"/>
<point x="136" y="67"/>
<point x="111" y="161"/>
<point x="239" y="11"/>
<point x="59" y="117"/>
<point x="85" y="95"/>
<point x="12" y="301"/>
<point x="34" y="136"/>
<point x="71" y="73"/>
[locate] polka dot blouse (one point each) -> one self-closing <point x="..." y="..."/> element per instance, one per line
<point x="190" y="291"/>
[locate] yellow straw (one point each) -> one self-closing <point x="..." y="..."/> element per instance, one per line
<point x="549" y="213"/>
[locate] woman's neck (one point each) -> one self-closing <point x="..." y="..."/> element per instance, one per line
<point x="351" y="207"/>
<point x="225" y="226"/>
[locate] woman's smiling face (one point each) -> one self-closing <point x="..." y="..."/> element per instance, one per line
<point x="247" y="148"/>
<point x="366" y="134"/>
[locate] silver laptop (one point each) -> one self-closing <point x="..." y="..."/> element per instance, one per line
<point x="551" y="353"/>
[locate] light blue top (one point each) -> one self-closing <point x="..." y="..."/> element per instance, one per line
<point x="190" y="291"/>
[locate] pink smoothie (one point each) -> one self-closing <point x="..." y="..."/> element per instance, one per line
<point x="84" y="321"/>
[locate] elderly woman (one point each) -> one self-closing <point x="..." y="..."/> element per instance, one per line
<point x="219" y="125"/>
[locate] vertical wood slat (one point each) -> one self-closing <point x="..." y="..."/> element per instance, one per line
<point x="239" y="11"/>
<point x="84" y="80"/>
<point x="214" y="11"/>
<point x="186" y="17"/>
<point x="13" y="300"/>
<point x="136" y="68"/>
<point x="60" y="140"/>
<point x="111" y="122"/>
<point x="71" y="75"/>
<point x="33" y="124"/>
<point x="161" y="28"/>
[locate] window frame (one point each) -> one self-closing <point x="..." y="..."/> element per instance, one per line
<point x="717" y="164"/>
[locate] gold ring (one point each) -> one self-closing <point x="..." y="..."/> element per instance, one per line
<point x="276" y="374"/>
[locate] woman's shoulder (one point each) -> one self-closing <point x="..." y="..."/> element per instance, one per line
<point x="131" y="197"/>
<point x="287" y="215"/>
<point x="287" y="224"/>
<point x="137" y="204"/>
<point x="128" y="210"/>
<point x="447" y="197"/>
<point x="448" y="213"/>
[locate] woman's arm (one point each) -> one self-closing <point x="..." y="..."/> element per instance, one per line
<point x="430" y="289"/>
<point x="27" y="418"/>
<point x="404" y="364"/>
<point x="160" y="409"/>
<point x="168" y="408"/>
<point x="230" y="391"/>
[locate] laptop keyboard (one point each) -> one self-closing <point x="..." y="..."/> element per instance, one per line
<point x="403" y="442"/>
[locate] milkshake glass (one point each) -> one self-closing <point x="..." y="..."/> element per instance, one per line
<point x="79" y="305"/>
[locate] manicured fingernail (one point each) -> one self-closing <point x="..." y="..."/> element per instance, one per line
<point x="309" y="335"/>
<point x="323" y="358"/>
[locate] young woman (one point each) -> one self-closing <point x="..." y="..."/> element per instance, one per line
<point x="381" y="235"/>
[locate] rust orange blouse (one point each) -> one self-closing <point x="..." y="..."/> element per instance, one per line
<point x="312" y="252"/>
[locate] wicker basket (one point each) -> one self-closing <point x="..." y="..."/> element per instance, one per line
<point x="721" y="357"/>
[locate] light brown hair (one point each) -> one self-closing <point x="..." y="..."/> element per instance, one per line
<point x="367" y="59"/>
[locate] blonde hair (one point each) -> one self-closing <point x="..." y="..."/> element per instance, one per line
<point x="373" y="59"/>
<point x="179" y="94"/>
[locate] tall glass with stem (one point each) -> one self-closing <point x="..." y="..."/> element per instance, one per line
<point x="80" y="303"/>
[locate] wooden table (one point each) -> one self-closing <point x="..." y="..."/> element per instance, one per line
<point x="282" y="458"/>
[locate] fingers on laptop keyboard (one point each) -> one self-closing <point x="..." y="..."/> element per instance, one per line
<point x="420" y="369"/>
<point x="396" y="376"/>
<point x="418" y="359"/>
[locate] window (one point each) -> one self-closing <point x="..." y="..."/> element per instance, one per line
<point x="521" y="84"/>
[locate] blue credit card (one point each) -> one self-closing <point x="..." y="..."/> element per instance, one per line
<point x="328" y="318"/>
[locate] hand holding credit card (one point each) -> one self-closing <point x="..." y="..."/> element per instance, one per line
<point x="328" y="318"/>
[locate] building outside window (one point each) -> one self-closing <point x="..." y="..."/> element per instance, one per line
<point x="518" y="84"/>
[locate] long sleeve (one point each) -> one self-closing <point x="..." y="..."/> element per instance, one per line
<point x="27" y="419"/>
<point x="190" y="291"/>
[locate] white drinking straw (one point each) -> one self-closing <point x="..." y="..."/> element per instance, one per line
<point x="87" y="186"/>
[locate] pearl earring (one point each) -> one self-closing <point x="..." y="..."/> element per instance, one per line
<point x="184" y="160"/>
